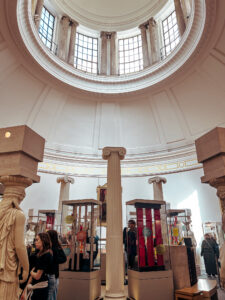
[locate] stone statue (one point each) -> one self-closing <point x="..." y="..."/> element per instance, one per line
<point x="222" y="256"/>
<point x="13" y="254"/>
<point x="30" y="235"/>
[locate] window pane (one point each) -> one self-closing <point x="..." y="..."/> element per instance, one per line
<point x="130" y="55"/>
<point x="171" y="34"/>
<point x="46" y="28"/>
<point x="88" y="53"/>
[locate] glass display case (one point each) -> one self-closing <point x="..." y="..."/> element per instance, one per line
<point x="179" y="227"/>
<point x="182" y="247"/>
<point x="48" y="219"/>
<point x="81" y="233"/>
<point x="146" y="236"/>
<point x="176" y="220"/>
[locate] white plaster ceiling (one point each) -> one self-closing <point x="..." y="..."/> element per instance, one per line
<point x="110" y="14"/>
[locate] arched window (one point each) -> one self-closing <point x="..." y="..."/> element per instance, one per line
<point x="86" y="53"/>
<point x="130" y="55"/>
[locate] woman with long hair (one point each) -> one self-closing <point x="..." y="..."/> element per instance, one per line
<point x="37" y="286"/>
<point x="59" y="257"/>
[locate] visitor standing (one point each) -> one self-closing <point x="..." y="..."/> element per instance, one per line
<point x="209" y="252"/>
<point x="59" y="257"/>
<point x="37" y="286"/>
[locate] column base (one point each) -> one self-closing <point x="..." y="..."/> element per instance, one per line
<point x="117" y="296"/>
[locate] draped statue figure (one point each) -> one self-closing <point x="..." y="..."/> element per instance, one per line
<point x="13" y="254"/>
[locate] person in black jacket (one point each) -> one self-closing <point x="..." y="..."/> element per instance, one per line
<point x="38" y="283"/>
<point x="129" y="240"/>
<point x="59" y="257"/>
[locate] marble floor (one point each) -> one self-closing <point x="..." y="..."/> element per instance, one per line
<point x="221" y="293"/>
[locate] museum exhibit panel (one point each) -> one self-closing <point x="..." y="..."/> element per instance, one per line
<point x="147" y="250"/>
<point x="82" y="231"/>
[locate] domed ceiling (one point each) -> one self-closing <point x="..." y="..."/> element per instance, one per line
<point x="110" y="14"/>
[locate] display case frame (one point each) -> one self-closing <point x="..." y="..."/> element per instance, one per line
<point x="149" y="235"/>
<point x="85" y="213"/>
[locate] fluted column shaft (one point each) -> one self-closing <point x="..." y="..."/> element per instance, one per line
<point x="103" y="70"/>
<point x="114" y="246"/>
<point x="73" y="31"/>
<point x="180" y="17"/>
<point x="145" y="53"/>
<point x="154" y="40"/>
<point x="63" y="36"/>
<point x="38" y="11"/>
<point x="113" y="62"/>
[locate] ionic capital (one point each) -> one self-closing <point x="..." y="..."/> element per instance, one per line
<point x="65" y="179"/>
<point x="219" y="184"/>
<point x="73" y="23"/>
<point x="152" y="22"/>
<point x="14" y="186"/>
<point x="65" y="21"/>
<point x="107" y="151"/>
<point x="143" y="26"/>
<point x="104" y="34"/>
<point x="157" y="179"/>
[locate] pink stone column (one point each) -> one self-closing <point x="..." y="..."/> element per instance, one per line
<point x="113" y="56"/>
<point x="180" y="17"/>
<point x="103" y="69"/>
<point x="114" y="245"/>
<point x="145" y="52"/>
<point x="73" y="31"/>
<point x="154" y="40"/>
<point x="63" y="37"/>
<point x="38" y="11"/>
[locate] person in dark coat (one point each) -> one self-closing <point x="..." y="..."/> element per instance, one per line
<point x="129" y="240"/>
<point x="209" y="253"/>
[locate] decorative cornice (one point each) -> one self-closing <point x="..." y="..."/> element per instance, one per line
<point x="99" y="168"/>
